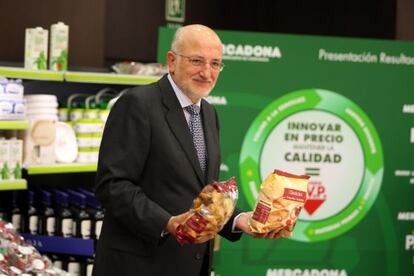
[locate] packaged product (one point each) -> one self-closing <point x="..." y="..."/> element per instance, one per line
<point x="20" y="258"/>
<point x="35" y="54"/>
<point x="59" y="40"/>
<point x="211" y="209"/>
<point x="279" y="203"/>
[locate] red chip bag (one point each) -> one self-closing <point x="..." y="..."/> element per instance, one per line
<point x="211" y="209"/>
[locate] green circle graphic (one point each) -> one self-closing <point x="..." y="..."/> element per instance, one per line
<point x="354" y="116"/>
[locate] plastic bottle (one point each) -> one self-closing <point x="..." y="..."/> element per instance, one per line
<point x="16" y="214"/>
<point x="64" y="215"/>
<point x="74" y="266"/>
<point x="32" y="215"/>
<point x="3" y="209"/>
<point x="82" y="219"/>
<point x="89" y="266"/>
<point x="48" y="221"/>
<point x="56" y="261"/>
<point x="96" y="211"/>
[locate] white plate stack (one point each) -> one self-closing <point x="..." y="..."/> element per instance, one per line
<point x="41" y="107"/>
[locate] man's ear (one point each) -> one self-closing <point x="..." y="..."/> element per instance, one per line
<point x="171" y="61"/>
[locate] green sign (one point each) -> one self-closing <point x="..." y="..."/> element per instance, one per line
<point x="340" y="110"/>
<point x="323" y="134"/>
<point x="175" y="10"/>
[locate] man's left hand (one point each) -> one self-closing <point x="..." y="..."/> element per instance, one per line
<point x="242" y="223"/>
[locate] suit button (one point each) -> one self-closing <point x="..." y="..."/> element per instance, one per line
<point x="197" y="256"/>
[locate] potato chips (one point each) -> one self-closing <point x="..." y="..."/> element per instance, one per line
<point x="210" y="211"/>
<point x="280" y="200"/>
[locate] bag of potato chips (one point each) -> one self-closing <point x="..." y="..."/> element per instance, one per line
<point x="280" y="200"/>
<point x="211" y="209"/>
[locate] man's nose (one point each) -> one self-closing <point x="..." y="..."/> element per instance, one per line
<point x="206" y="70"/>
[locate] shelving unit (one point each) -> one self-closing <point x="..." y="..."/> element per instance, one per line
<point x="61" y="168"/>
<point x="108" y="78"/>
<point x="70" y="246"/>
<point x="19" y="184"/>
<point x="19" y="125"/>
<point x="21" y="73"/>
<point x="65" y="174"/>
<point x="72" y="76"/>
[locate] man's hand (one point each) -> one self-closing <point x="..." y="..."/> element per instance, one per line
<point x="242" y="223"/>
<point x="205" y="238"/>
<point x="177" y="220"/>
<point x="174" y="222"/>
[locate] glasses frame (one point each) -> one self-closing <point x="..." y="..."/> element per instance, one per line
<point x="192" y="61"/>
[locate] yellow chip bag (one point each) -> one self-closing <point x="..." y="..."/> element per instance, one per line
<point x="280" y="200"/>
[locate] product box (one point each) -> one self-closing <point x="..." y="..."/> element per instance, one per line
<point x="14" y="89"/>
<point x="59" y="40"/>
<point x="15" y="158"/>
<point x="36" y="43"/>
<point x="4" y="159"/>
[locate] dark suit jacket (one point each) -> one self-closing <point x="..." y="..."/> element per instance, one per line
<point x="148" y="170"/>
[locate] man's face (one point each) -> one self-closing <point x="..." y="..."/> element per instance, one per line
<point x="191" y="67"/>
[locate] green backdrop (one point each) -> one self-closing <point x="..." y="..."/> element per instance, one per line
<point x="340" y="110"/>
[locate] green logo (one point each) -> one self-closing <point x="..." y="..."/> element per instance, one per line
<point x="330" y="138"/>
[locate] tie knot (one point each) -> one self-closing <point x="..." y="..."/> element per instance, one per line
<point x="193" y="109"/>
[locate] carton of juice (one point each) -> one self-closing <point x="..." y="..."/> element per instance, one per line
<point x="59" y="38"/>
<point x="35" y="54"/>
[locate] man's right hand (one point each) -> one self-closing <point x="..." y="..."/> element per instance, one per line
<point x="177" y="220"/>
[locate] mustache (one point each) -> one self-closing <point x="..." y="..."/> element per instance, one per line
<point x="200" y="78"/>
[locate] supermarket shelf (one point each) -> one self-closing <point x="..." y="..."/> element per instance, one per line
<point x="70" y="246"/>
<point x="61" y="168"/>
<point x="14" y="124"/>
<point x="71" y="76"/>
<point x="21" y="73"/>
<point x="20" y="184"/>
<point x="108" y="78"/>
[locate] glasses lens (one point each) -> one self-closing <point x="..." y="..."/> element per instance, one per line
<point x="197" y="61"/>
<point x="215" y="65"/>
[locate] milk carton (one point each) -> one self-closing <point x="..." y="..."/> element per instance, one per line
<point x="59" y="38"/>
<point x="15" y="158"/>
<point x="35" y="55"/>
<point x="4" y="159"/>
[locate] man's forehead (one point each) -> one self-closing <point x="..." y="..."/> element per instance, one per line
<point x="200" y="45"/>
<point x="200" y="35"/>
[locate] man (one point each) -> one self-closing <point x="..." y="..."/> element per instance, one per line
<point x="152" y="165"/>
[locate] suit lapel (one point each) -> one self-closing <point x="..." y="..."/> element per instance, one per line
<point x="178" y="125"/>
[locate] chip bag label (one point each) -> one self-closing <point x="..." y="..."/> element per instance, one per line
<point x="294" y="195"/>
<point x="262" y="211"/>
<point x="197" y="223"/>
<point x="281" y="198"/>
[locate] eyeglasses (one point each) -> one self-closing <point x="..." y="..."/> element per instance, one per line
<point x="201" y="62"/>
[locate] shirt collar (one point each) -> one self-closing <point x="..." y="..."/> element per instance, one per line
<point x="182" y="98"/>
